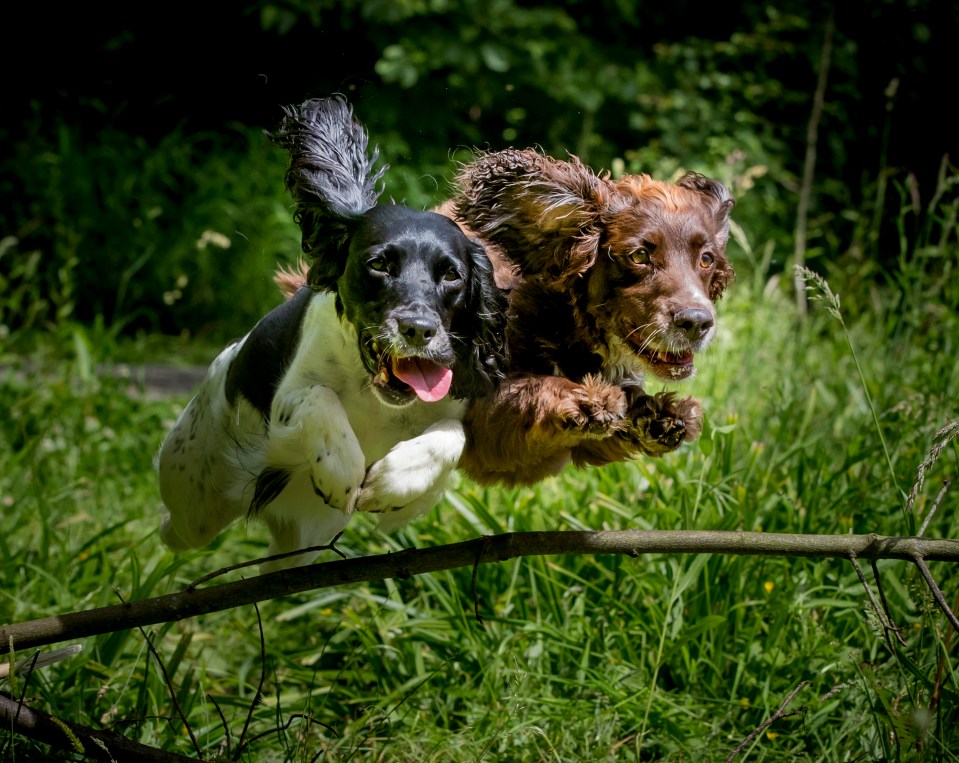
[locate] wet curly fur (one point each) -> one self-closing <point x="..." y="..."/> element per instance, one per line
<point x="609" y="282"/>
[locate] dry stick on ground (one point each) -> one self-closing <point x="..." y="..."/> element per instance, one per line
<point x="780" y="713"/>
<point x="96" y="745"/>
<point x="488" y="549"/>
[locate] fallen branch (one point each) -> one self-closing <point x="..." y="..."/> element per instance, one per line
<point x="91" y="743"/>
<point x="497" y="548"/>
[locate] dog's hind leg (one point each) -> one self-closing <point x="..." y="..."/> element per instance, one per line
<point x="199" y="465"/>
<point x="298" y="520"/>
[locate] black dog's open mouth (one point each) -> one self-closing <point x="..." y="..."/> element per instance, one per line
<point x="402" y="378"/>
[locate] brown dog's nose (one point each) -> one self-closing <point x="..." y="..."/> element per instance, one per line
<point x="694" y="322"/>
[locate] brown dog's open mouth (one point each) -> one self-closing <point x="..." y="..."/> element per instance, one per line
<point x="401" y="378"/>
<point x="668" y="365"/>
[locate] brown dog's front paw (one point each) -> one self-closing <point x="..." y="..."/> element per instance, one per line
<point x="660" y="423"/>
<point x="596" y="408"/>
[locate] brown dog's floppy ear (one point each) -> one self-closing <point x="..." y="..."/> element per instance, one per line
<point x="717" y="196"/>
<point x="544" y="213"/>
<point x="720" y="202"/>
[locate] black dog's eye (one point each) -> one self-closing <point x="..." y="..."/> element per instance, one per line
<point x="706" y="260"/>
<point x="640" y="256"/>
<point x="378" y="264"/>
<point x="451" y="274"/>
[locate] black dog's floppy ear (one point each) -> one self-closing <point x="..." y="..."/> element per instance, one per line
<point x="479" y="331"/>
<point x="330" y="177"/>
<point x="543" y="212"/>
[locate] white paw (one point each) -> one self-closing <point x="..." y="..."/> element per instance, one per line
<point x="413" y="469"/>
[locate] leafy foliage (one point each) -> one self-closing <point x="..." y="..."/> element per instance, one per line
<point x="123" y="191"/>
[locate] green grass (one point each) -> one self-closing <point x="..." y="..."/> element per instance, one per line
<point x="812" y="428"/>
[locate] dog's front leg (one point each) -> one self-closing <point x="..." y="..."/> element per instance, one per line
<point x="411" y="478"/>
<point x="309" y="429"/>
<point x="661" y="423"/>
<point x="654" y="425"/>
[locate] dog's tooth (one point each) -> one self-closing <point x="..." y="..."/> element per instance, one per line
<point x="382" y="377"/>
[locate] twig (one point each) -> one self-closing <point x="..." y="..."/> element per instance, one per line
<point x="167" y="682"/>
<point x="331" y="546"/>
<point x="766" y="723"/>
<point x="289" y="722"/>
<point x="947" y="649"/>
<point x="885" y="604"/>
<point x="226" y="727"/>
<point x="258" y="697"/>
<point x="883" y="618"/>
<point x="932" y="509"/>
<point x="60" y="734"/>
<point x="497" y="548"/>
<point x="936" y="593"/>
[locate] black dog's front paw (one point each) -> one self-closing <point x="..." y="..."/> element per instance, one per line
<point x="660" y="423"/>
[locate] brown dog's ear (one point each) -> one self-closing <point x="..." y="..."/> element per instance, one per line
<point x="717" y="196"/>
<point x="720" y="202"/>
<point x="544" y="213"/>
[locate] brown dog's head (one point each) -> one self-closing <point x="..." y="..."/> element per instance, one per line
<point x="642" y="260"/>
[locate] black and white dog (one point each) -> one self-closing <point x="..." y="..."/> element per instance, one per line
<point x="350" y="395"/>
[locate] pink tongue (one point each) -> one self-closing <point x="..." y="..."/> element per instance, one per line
<point x="428" y="380"/>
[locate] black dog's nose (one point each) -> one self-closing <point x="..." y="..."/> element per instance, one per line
<point x="694" y="322"/>
<point x="417" y="330"/>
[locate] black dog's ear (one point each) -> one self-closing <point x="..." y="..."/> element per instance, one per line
<point x="330" y="177"/>
<point x="479" y="331"/>
<point x="543" y="212"/>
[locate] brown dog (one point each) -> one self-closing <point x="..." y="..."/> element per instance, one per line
<point x="609" y="281"/>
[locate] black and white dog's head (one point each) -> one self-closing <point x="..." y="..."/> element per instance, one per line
<point x="419" y="294"/>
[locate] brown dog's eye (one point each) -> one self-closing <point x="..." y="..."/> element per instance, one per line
<point x="706" y="260"/>
<point x="640" y="256"/>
